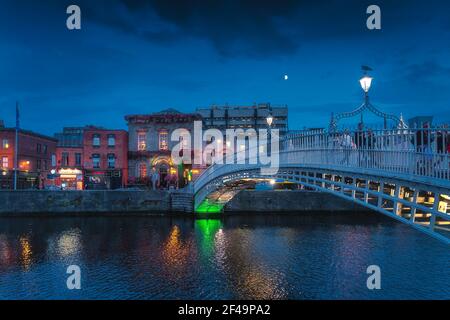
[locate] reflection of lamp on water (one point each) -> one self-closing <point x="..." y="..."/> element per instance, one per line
<point x="26" y="252"/>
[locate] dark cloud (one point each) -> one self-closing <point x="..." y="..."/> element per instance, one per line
<point x="426" y="71"/>
<point x="256" y="28"/>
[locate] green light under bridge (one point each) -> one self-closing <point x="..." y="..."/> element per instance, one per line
<point x="209" y="207"/>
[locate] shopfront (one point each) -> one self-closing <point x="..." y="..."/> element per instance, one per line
<point x="70" y="179"/>
<point x="103" y="179"/>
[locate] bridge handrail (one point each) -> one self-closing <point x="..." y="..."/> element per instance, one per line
<point x="420" y="153"/>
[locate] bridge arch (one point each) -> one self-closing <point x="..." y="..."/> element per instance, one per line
<point x="394" y="175"/>
<point x="414" y="203"/>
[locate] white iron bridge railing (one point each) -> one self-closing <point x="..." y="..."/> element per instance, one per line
<point x="421" y="155"/>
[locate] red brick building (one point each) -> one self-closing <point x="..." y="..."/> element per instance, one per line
<point x="69" y="168"/>
<point x="92" y="158"/>
<point x="105" y="158"/>
<point x="36" y="158"/>
<point x="69" y="155"/>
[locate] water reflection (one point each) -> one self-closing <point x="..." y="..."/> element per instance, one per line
<point x="25" y="252"/>
<point x="66" y="244"/>
<point x="176" y="253"/>
<point x="265" y="257"/>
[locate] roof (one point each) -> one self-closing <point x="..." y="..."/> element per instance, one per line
<point x="30" y="133"/>
<point x="168" y="111"/>
<point x="166" y="115"/>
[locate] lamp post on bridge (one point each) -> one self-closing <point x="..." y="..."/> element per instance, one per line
<point x="366" y="83"/>
<point x="269" y="121"/>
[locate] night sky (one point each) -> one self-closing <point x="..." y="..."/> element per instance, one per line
<point x="145" y="56"/>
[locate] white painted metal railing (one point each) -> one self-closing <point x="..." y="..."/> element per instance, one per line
<point x="419" y="154"/>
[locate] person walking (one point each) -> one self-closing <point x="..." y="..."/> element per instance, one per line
<point x="346" y="145"/>
<point x="423" y="140"/>
<point x="155" y="178"/>
<point x="443" y="148"/>
<point x="360" y="143"/>
<point x="370" y="145"/>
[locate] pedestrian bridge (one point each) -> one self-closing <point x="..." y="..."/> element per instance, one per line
<point x="401" y="173"/>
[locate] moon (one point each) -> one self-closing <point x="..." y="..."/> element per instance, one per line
<point x="286" y="77"/>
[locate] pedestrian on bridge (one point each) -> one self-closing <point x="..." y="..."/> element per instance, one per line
<point x="360" y="143"/>
<point x="370" y="143"/>
<point x="346" y="144"/>
<point x="423" y="140"/>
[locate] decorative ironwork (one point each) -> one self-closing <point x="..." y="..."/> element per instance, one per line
<point x="365" y="106"/>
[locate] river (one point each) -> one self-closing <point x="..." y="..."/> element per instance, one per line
<point x="304" y="256"/>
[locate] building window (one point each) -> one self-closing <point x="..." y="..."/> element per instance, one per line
<point x="142" y="170"/>
<point x="45" y="149"/>
<point x="5" y="162"/>
<point x="45" y="165"/>
<point x="53" y="160"/>
<point x="5" y="144"/>
<point x="96" y="160"/>
<point x="111" y="140"/>
<point x="38" y="164"/>
<point x="111" y="161"/>
<point x="163" y="140"/>
<point x="78" y="159"/>
<point x="65" y="159"/>
<point x="96" y="140"/>
<point x="141" y="141"/>
<point x="39" y="148"/>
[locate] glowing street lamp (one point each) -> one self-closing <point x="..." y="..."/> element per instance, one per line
<point x="366" y="82"/>
<point x="269" y="119"/>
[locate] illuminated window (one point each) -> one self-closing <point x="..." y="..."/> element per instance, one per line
<point x="5" y="162"/>
<point x="142" y="170"/>
<point x="111" y="160"/>
<point x="163" y="140"/>
<point x="141" y="141"/>
<point x="96" y="140"/>
<point x="111" y="140"/>
<point x="5" y="144"/>
<point x="96" y="160"/>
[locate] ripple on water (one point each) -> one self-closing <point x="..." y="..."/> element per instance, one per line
<point x="270" y="257"/>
